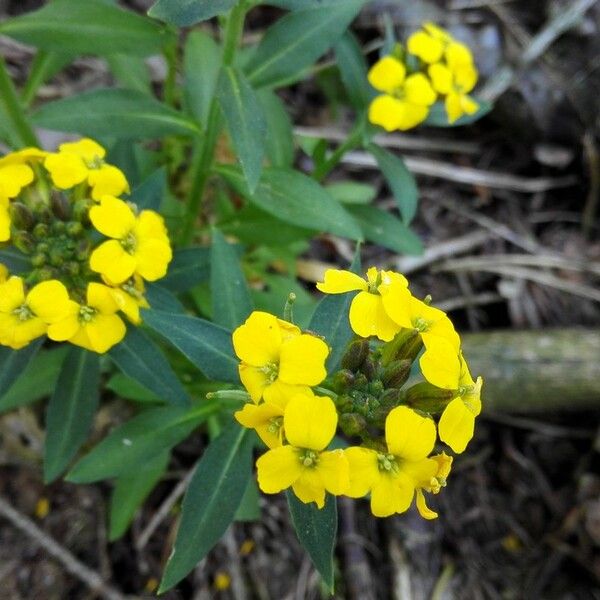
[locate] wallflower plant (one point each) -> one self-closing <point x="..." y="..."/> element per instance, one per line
<point x="127" y="249"/>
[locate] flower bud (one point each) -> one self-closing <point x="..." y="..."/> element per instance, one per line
<point x="74" y="228"/>
<point x="21" y="216"/>
<point x="61" y="207"/>
<point x="81" y="209"/>
<point x="353" y="424"/>
<point x="396" y="373"/>
<point x="355" y="354"/>
<point x="369" y="368"/>
<point x="24" y="242"/>
<point x="38" y="260"/>
<point x="405" y="346"/>
<point x="343" y="380"/>
<point x="41" y="231"/>
<point x="428" y="398"/>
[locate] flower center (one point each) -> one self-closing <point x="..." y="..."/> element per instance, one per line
<point x="387" y="463"/>
<point x="274" y="425"/>
<point x="130" y="289"/>
<point x="23" y="313"/>
<point x="87" y="314"/>
<point x="309" y="458"/>
<point x="129" y="243"/>
<point x="271" y="370"/>
<point x="421" y="324"/>
<point x="374" y="284"/>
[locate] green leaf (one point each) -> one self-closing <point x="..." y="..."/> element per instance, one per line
<point x="161" y="298"/>
<point x="201" y="66"/>
<point x="14" y="362"/>
<point x="71" y="410"/>
<point x="189" y="267"/>
<point x="330" y="320"/>
<point x="184" y="13"/>
<point x="114" y="113"/>
<point x="141" y="359"/>
<point x="297" y="199"/>
<point x="130" y="491"/>
<point x="16" y="262"/>
<point x="43" y="67"/>
<point x="211" y="501"/>
<point x="297" y="40"/>
<point x="351" y="192"/>
<point x="249" y="508"/>
<point x="206" y="345"/>
<point x="130" y="389"/>
<point x="280" y="138"/>
<point x="88" y="27"/>
<point x="146" y="436"/>
<point x="150" y="193"/>
<point x="382" y="228"/>
<point x="131" y="72"/>
<point x="245" y="121"/>
<point x="400" y="179"/>
<point x="37" y="381"/>
<point x="438" y="117"/>
<point x="231" y="303"/>
<point x="316" y="530"/>
<point x="353" y="70"/>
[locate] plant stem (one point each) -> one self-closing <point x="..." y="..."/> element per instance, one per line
<point x="204" y="148"/>
<point x="352" y="141"/>
<point x="13" y="110"/>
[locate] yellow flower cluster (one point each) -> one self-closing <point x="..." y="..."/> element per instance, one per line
<point x="53" y="206"/>
<point x="280" y="366"/>
<point x="434" y="65"/>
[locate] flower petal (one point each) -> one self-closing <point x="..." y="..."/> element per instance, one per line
<point x="99" y="297"/>
<point x="309" y="488"/>
<point x="112" y="217"/>
<point x="85" y="148"/>
<point x="441" y="78"/>
<point x="12" y="294"/>
<point x="364" y="470"/>
<point x="391" y="495"/>
<point x="153" y="257"/>
<point x="409" y="435"/>
<point x="339" y="281"/>
<point x="260" y="418"/>
<point x="334" y="471"/>
<point x="418" y="90"/>
<point x="277" y="469"/>
<point x="387" y="112"/>
<point x="387" y="74"/>
<point x="368" y="317"/>
<point x="457" y="425"/>
<point x="302" y="360"/>
<point x="105" y="331"/>
<point x="422" y="507"/>
<point x="439" y="363"/>
<point x="254" y="380"/>
<point x="50" y="301"/>
<point x="310" y="421"/>
<point x="66" y="170"/>
<point x="427" y="47"/>
<point x="113" y="262"/>
<point x="13" y="178"/>
<point x="107" y="180"/>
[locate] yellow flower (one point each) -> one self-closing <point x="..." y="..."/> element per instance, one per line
<point x="95" y="325"/>
<point x="393" y="476"/>
<point x="368" y="315"/>
<point x="429" y="44"/>
<point x="406" y="100"/>
<point x="140" y="243"/>
<point x="15" y="172"/>
<point x="76" y="162"/>
<point x="457" y="422"/>
<point x="455" y="83"/>
<point x="25" y="317"/>
<point x="266" y="419"/>
<point x="129" y="297"/>
<point x="433" y="485"/>
<point x="439" y="363"/>
<point x="309" y="423"/>
<point x="277" y="358"/>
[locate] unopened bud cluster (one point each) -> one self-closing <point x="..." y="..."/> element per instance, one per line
<point x="83" y="252"/>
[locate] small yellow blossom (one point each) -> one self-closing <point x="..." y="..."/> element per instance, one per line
<point x="95" y="325"/>
<point x="129" y="297"/>
<point x="42" y="508"/>
<point x="455" y="84"/>
<point x="25" y="317"/>
<point x="140" y="243"/>
<point x="247" y="547"/>
<point x="393" y="476"/>
<point x="433" y="485"/>
<point x="309" y="423"/>
<point x="266" y="419"/>
<point x="368" y="315"/>
<point x="277" y="358"/>
<point x="76" y="162"/>
<point x="406" y="99"/>
<point x="429" y="43"/>
<point x="457" y="423"/>
<point x="222" y="581"/>
<point x="16" y="173"/>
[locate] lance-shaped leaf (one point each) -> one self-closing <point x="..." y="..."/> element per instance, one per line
<point x="212" y="499"/>
<point x="141" y="359"/>
<point x="16" y="262"/>
<point x="134" y="443"/>
<point x="231" y="303"/>
<point x="130" y="491"/>
<point x="296" y="199"/>
<point x="71" y="410"/>
<point x="316" y="530"/>
<point x="88" y="27"/>
<point x="280" y="138"/>
<point x="245" y="121"/>
<point x="184" y="13"/>
<point x="189" y="267"/>
<point x="353" y="70"/>
<point x="297" y="40"/>
<point x="400" y="179"/>
<point x="151" y="192"/>
<point x="160" y="298"/>
<point x="14" y="362"/>
<point x="115" y="113"/>
<point x="206" y="345"/>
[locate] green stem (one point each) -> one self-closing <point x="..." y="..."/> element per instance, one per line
<point x="13" y="110"/>
<point x="204" y="149"/>
<point x="352" y="141"/>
